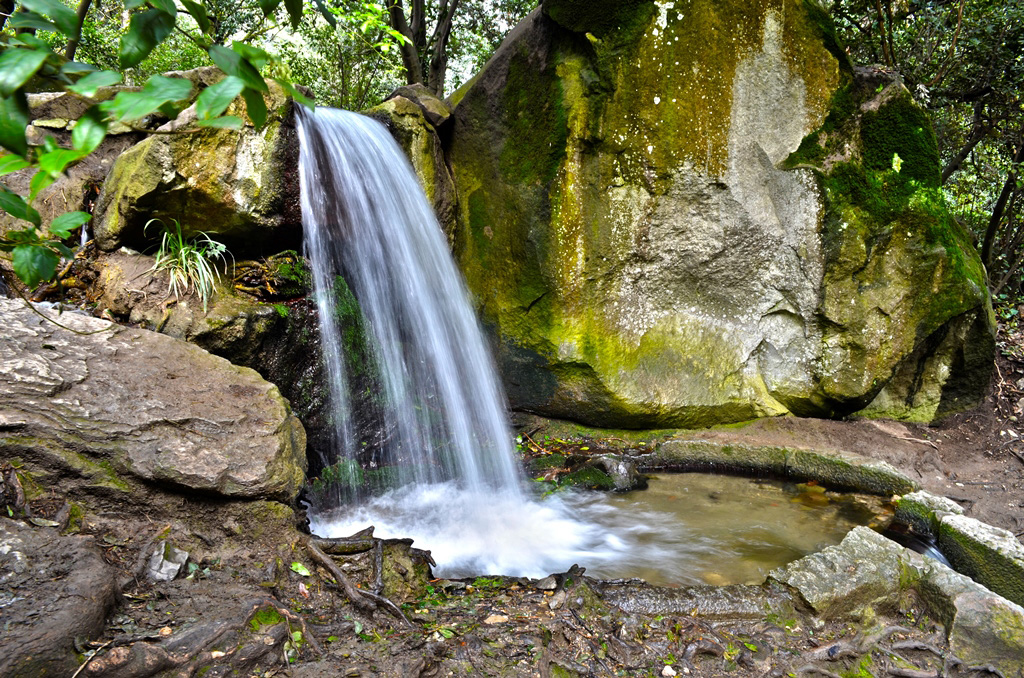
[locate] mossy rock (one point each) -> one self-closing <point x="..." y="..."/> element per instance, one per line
<point x="704" y="215"/>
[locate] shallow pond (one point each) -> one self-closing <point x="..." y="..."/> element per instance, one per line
<point x="688" y="528"/>
<point x="718" y="529"/>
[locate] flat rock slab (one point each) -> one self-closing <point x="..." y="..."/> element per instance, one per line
<point x="88" y="393"/>
<point x="52" y="590"/>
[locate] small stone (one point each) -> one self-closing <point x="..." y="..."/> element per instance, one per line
<point x="496" y="619"/>
<point x="548" y="583"/>
<point x="557" y="600"/>
<point x="668" y="671"/>
<point x="166" y="562"/>
<point x="166" y="631"/>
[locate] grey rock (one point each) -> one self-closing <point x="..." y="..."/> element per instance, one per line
<point x="121" y="405"/>
<point x="165" y="562"/>
<point x="548" y="583"/>
<point x="52" y="590"/>
<point x="862" y="572"/>
<point x="622" y="471"/>
<point x="867" y="571"/>
<point x="990" y="555"/>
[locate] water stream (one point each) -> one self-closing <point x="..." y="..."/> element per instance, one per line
<point x="450" y="477"/>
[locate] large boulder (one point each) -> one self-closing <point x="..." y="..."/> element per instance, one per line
<point x="121" y="406"/>
<point x="239" y="187"/>
<point x="648" y="247"/>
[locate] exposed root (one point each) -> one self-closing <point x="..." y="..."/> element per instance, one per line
<point x="363" y="600"/>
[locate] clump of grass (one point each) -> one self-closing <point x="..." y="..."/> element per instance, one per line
<point x="189" y="262"/>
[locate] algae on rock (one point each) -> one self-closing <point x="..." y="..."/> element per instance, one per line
<point x="647" y="252"/>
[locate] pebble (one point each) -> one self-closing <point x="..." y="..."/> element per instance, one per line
<point x="548" y="583"/>
<point x="668" y="671"/>
<point x="496" y="619"/>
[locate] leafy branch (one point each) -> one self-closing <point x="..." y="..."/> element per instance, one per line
<point x="25" y="57"/>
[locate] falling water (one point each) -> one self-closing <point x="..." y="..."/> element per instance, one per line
<point x="366" y="218"/>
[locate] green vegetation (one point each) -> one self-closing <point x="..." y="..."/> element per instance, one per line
<point x="189" y="262"/>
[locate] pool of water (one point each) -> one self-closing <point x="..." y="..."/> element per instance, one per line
<point x="688" y="528"/>
<point x="718" y="529"/>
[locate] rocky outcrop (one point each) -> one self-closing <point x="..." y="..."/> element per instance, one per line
<point x="867" y="572"/>
<point x="240" y="187"/>
<point x="414" y="117"/>
<point x="653" y="238"/>
<point x="119" y="406"/>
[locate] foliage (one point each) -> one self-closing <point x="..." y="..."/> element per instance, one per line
<point x="964" y="60"/>
<point x="348" y="62"/>
<point x="29" y="62"/>
<point x="188" y="262"/>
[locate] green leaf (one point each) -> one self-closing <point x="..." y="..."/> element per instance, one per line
<point x="167" y="6"/>
<point x="294" y="8"/>
<point x="235" y="64"/>
<point x="32" y="21"/>
<point x="215" y="99"/>
<point x="89" y="131"/>
<point x="157" y="91"/>
<point x="145" y="31"/>
<point x="34" y="263"/>
<point x="299" y="568"/>
<point x="255" y="107"/>
<point x="223" y="122"/>
<point x="77" y="67"/>
<point x="31" y="41"/>
<point x="13" y="121"/>
<point x="90" y="84"/>
<point x="198" y="13"/>
<point x="62" y="15"/>
<point x="269" y="6"/>
<point x="56" y="161"/>
<point x="62" y="226"/>
<point x="15" y="205"/>
<point x="62" y="249"/>
<point x="256" y="56"/>
<point x="10" y="162"/>
<point x="40" y="181"/>
<point x="132" y="4"/>
<point x="294" y="93"/>
<point x="17" y="66"/>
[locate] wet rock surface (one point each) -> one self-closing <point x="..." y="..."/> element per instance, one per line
<point x="121" y="405"/>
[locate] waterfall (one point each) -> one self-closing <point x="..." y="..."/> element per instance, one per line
<point x="366" y="218"/>
<point x="447" y="472"/>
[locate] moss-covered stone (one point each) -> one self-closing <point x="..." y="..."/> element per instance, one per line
<point x="989" y="555"/>
<point x="832" y="469"/>
<point x="234" y="185"/>
<point x="694" y="213"/>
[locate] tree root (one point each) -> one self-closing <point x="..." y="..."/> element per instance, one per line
<point x="363" y="600"/>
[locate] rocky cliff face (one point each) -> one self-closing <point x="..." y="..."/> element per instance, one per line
<point x="688" y="213"/>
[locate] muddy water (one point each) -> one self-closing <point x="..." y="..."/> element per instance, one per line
<point x="701" y="528"/>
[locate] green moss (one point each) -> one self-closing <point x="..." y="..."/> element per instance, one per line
<point x="901" y="128"/>
<point x="982" y="563"/>
<point x="265" y="616"/>
<point x="588" y="477"/>
<point x="618" y="19"/>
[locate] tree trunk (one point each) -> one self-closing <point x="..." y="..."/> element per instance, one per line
<point x="410" y="54"/>
<point x="1000" y="206"/>
<point x="439" y="51"/>
<point x="979" y="130"/>
<point x="83" y="9"/>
